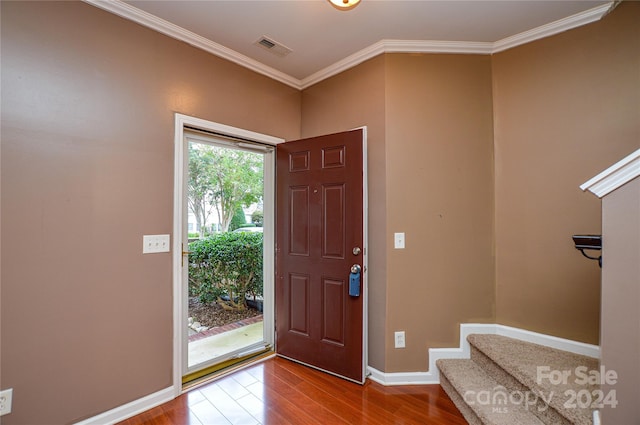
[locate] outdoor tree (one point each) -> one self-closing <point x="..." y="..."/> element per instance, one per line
<point x="223" y="180"/>
<point x="200" y="187"/>
<point x="238" y="220"/>
<point x="257" y="218"/>
<point x="237" y="182"/>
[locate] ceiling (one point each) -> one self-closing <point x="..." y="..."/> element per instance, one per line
<point x="324" y="41"/>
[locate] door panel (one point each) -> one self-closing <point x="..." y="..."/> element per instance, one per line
<point x="333" y="323"/>
<point x="320" y="220"/>
<point x="333" y="214"/>
<point x="299" y="221"/>
<point x="299" y="303"/>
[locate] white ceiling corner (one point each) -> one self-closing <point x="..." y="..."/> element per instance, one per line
<point x="511" y="21"/>
<point x="141" y="17"/>
<point x="547" y="30"/>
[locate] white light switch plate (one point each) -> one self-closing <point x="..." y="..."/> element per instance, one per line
<point x="155" y="243"/>
<point x="398" y="240"/>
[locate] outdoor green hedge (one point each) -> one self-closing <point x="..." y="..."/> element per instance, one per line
<point x="226" y="267"/>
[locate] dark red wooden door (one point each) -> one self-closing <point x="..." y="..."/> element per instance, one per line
<point x="320" y="221"/>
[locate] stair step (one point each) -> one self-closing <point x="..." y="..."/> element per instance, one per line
<point x="480" y="398"/>
<point x="538" y="368"/>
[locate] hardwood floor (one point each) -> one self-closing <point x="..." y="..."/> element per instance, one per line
<point x="278" y="391"/>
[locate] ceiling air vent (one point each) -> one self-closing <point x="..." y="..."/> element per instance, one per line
<point x="273" y="46"/>
<point x="266" y="43"/>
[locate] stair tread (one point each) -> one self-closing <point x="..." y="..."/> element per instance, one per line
<point x="522" y="359"/>
<point x="485" y="396"/>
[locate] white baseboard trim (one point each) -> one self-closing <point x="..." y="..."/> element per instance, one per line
<point x="550" y="341"/>
<point x="432" y="376"/>
<point x="401" y="378"/>
<point x="128" y="410"/>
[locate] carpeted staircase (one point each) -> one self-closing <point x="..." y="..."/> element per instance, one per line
<point x="509" y="382"/>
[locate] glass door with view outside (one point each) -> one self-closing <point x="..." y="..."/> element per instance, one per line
<point x="225" y="191"/>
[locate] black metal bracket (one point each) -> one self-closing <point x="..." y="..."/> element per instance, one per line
<point x="593" y="242"/>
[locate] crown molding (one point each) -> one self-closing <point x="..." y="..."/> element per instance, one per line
<point x="459" y="47"/>
<point x="553" y="28"/>
<point x="397" y="46"/>
<point x="141" y="17"/>
<point x="615" y="176"/>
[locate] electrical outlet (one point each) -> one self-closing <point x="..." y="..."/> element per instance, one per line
<point x="155" y="243"/>
<point x="5" y="401"/>
<point x="399" y="339"/>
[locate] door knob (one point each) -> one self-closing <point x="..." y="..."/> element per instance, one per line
<point x="356" y="250"/>
<point x="355" y="268"/>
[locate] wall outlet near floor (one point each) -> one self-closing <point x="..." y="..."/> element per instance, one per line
<point x="399" y="339"/>
<point x="5" y="401"/>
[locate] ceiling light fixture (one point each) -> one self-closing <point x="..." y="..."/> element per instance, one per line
<point x="344" y="4"/>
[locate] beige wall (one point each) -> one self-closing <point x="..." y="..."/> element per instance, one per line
<point x="88" y="102"/>
<point x="87" y="168"/>
<point x="353" y="99"/>
<point x="620" y="342"/>
<point x="439" y="161"/>
<point x="565" y="108"/>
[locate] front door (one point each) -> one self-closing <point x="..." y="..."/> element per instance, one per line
<point x="321" y="217"/>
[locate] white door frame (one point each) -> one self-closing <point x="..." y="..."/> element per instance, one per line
<point x="179" y="330"/>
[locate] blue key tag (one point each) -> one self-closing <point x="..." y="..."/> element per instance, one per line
<point x="354" y="284"/>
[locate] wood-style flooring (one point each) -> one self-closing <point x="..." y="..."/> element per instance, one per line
<point x="281" y="392"/>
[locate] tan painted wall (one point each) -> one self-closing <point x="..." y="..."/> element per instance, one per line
<point x="439" y="151"/>
<point x="88" y="102"/>
<point x="620" y="342"/>
<point x="566" y="107"/>
<point x="87" y="124"/>
<point x="353" y="99"/>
